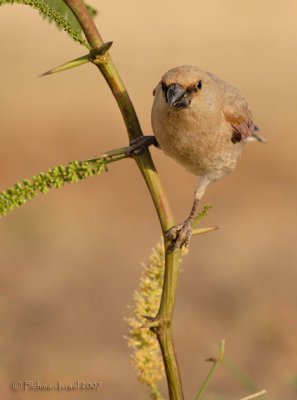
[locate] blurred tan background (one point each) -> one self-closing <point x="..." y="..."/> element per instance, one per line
<point x="71" y="260"/>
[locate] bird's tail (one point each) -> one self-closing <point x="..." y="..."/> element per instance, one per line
<point x="254" y="137"/>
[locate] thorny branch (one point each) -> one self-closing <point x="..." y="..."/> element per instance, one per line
<point x="148" y="170"/>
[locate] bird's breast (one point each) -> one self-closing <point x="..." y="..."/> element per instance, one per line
<point x="201" y="144"/>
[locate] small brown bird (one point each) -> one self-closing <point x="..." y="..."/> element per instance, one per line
<point x="202" y="122"/>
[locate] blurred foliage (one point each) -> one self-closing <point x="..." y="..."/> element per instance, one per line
<point x="57" y="11"/>
<point x="292" y="380"/>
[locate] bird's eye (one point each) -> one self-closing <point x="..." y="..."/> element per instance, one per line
<point x="199" y="84"/>
<point x="164" y="87"/>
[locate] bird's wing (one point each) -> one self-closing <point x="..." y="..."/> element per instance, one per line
<point x="241" y="121"/>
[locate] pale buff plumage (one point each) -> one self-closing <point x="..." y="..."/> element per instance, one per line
<point x="203" y="123"/>
<point x="199" y="136"/>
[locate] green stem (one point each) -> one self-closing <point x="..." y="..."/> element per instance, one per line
<point x="156" y="395"/>
<point x="155" y="187"/>
<point x="216" y="363"/>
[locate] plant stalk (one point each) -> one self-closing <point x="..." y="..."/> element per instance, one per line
<point x="148" y="170"/>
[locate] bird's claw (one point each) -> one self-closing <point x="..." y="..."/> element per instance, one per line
<point x="140" y="144"/>
<point x="134" y="147"/>
<point x="180" y="235"/>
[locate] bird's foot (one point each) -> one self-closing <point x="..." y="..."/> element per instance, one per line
<point x="180" y="235"/>
<point x="140" y="144"/>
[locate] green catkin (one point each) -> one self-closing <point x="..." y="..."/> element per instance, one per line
<point x="53" y="15"/>
<point x="55" y="177"/>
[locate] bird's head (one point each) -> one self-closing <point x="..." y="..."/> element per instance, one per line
<point x="181" y="86"/>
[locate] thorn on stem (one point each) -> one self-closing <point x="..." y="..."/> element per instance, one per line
<point x="94" y="54"/>
<point x="101" y="50"/>
<point x="148" y="317"/>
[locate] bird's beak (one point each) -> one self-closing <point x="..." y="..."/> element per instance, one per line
<point x="177" y="96"/>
